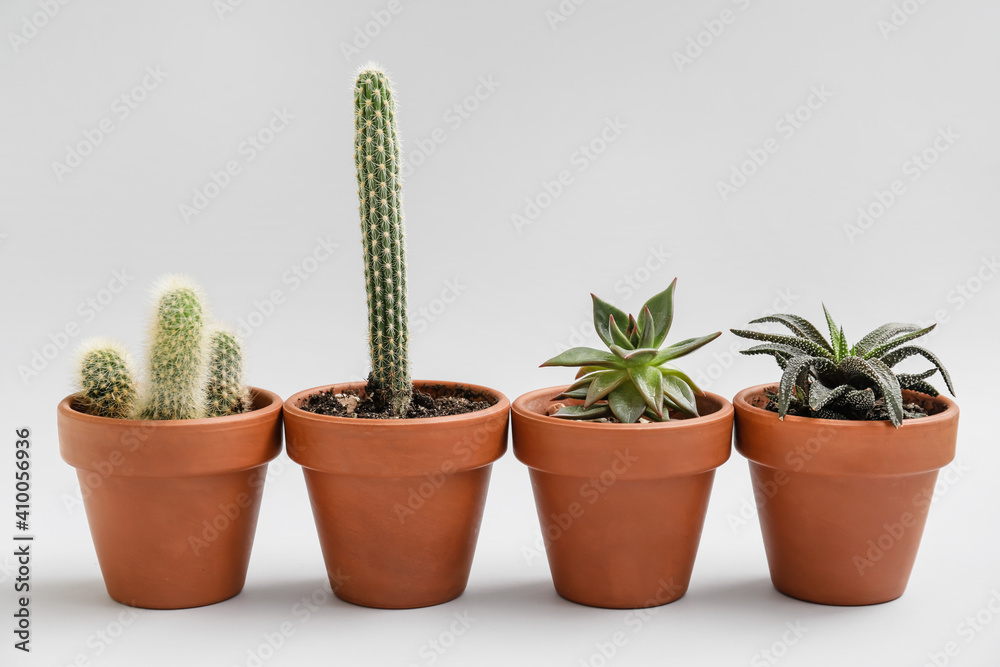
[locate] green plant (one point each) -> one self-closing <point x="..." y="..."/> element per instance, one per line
<point x="381" y="211"/>
<point x="634" y="379"/>
<point x="831" y="380"/>
<point x="225" y="393"/>
<point x="106" y="379"/>
<point x="192" y="370"/>
<point x="177" y="352"/>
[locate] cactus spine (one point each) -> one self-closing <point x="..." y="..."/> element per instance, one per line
<point x="177" y="352"/>
<point x="106" y="379"/>
<point x="381" y="211"/>
<point x="225" y="394"/>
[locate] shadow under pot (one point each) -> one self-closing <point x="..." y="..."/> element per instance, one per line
<point x="173" y="504"/>
<point x="621" y="506"/>
<point x="842" y="504"/>
<point x="398" y="502"/>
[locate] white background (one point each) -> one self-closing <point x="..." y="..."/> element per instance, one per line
<point x="522" y="293"/>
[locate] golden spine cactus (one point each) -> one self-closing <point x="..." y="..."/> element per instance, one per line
<point x="225" y="394"/>
<point x="106" y="379"/>
<point x="177" y="352"/>
<point x="377" y="161"/>
<point x="193" y="369"/>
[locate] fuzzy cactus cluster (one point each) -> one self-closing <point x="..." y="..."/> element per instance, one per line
<point x="193" y="368"/>
<point x="377" y="161"/>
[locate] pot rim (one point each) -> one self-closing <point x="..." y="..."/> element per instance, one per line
<point x="950" y="412"/>
<point x="845" y="448"/>
<point x="519" y="407"/>
<point x="570" y="448"/>
<point x="365" y="447"/>
<point x="66" y="408"/>
<point x="170" y="448"/>
<point x="292" y="408"/>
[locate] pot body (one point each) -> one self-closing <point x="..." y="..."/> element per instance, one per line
<point x="621" y="506"/>
<point x="172" y="505"/>
<point x="842" y="504"/>
<point x="398" y="502"/>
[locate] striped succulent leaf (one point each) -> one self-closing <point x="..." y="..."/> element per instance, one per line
<point x="830" y="379"/>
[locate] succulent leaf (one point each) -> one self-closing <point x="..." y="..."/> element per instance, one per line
<point x="583" y="356"/>
<point x="633" y="379"/>
<point x="627" y="403"/>
<point x="881" y="335"/>
<point x="799" y="326"/>
<point x="801" y="344"/>
<point x="900" y="353"/>
<point x="602" y="385"/>
<point x="649" y="381"/>
<point x="885" y="348"/>
<point x="661" y="307"/>
<point x="580" y="412"/>
<point x="604" y="312"/>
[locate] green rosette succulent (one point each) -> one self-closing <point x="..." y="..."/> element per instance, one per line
<point x="634" y="377"/>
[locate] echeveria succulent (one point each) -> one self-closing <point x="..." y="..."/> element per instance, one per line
<point x="829" y="379"/>
<point x="633" y="378"/>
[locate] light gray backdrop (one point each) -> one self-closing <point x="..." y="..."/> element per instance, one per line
<point x="772" y="155"/>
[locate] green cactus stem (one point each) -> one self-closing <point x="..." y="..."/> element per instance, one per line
<point x="225" y="392"/>
<point x="106" y="379"/>
<point x="380" y="206"/>
<point x="177" y="352"/>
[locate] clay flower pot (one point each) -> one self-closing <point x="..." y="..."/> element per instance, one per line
<point x="398" y="502"/>
<point x="842" y="504"/>
<point x="173" y="504"/>
<point x="621" y="506"/>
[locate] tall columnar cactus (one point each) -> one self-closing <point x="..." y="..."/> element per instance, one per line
<point x="177" y="352"/>
<point x="226" y="394"/>
<point x="106" y="379"/>
<point x="380" y="197"/>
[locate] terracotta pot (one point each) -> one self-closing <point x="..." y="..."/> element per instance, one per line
<point x="398" y="502"/>
<point x="172" y="505"/>
<point x="621" y="506"/>
<point x="842" y="504"/>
